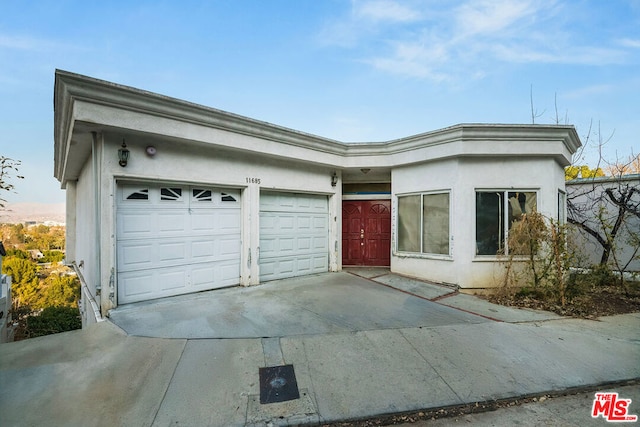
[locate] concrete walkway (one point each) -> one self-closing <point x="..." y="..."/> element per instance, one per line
<point x="345" y="369"/>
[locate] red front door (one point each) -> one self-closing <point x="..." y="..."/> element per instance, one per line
<point x="366" y="232"/>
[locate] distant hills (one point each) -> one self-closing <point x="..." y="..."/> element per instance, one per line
<point x="39" y="212"/>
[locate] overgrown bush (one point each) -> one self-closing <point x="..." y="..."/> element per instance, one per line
<point x="539" y="259"/>
<point x="538" y="274"/>
<point x="52" y="320"/>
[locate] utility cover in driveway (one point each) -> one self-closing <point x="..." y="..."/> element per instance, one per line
<point x="278" y="384"/>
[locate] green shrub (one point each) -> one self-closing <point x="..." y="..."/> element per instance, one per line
<point x="52" y="320"/>
<point x="601" y="275"/>
<point x="52" y="256"/>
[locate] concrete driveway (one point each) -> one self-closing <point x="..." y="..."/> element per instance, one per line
<point x="318" y="304"/>
<point x="360" y="347"/>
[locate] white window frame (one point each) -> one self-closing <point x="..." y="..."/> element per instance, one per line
<point x="562" y="207"/>
<point x="505" y="216"/>
<point x="421" y="253"/>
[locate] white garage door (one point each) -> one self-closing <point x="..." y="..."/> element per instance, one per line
<point x="294" y="235"/>
<point x="174" y="239"/>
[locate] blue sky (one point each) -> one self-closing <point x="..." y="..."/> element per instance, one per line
<point x="351" y="70"/>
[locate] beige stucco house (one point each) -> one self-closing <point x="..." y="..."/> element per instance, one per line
<point x="166" y="197"/>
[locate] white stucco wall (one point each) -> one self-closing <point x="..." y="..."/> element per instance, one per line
<point x="463" y="177"/>
<point x="81" y="240"/>
<point x="427" y="177"/>
<point x="188" y="163"/>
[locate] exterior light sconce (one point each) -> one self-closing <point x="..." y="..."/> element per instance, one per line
<point x="123" y="154"/>
<point x="334" y="179"/>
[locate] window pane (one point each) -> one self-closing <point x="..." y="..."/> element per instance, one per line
<point x="562" y="207"/>
<point x="170" y="193"/>
<point x="141" y="194"/>
<point x="409" y="224"/>
<point x="521" y="203"/>
<point x="199" y="195"/>
<point x="489" y="223"/>
<point x="227" y="198"/>
<point x="435" y="224"/>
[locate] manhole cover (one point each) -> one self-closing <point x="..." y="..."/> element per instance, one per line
<point x="278" y="384"/>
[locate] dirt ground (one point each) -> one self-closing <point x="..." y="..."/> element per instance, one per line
<point x="591" y="302"/>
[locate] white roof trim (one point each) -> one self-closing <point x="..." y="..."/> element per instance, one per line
<point x="73" y="91"/>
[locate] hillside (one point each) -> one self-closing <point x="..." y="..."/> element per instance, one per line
<point x="39" y="212"/>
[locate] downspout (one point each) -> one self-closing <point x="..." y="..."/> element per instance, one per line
<point x="96" y="207"/>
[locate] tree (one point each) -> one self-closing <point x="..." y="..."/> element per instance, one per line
<point x="582" y="171"/>
<point x="59" y="291"/>
<point x="12" y="235"/>
<point x="627" y="167"/>
<point x="8" y="167"/>
<point x="608" y="210"/>
<point x="26" y="283"/>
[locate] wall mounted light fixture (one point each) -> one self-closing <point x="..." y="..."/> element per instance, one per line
<point x="334" y="179"/>
<point x="123" y="154"/>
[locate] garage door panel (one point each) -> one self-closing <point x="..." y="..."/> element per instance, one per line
<point x="171" y="251"/>
<point x="304" y="222"/>
<point x="228" y="221"/>
<point x="228" y="247"/>
<point x="320" y="263"/>
<point x="155" y="283"/>
<point x="202" y="249"/>
<point x="134" y="224"/>
<point x="201" y="221"/>
<point x="285" y="223"/>
<point x="320" y="244"/>
<point x="135" y="255"/>
<point x="285" y="244"/>
<point x="201" y="275"/>
<point x="304" y="265"/>
<point x="301" y="245"/>
<point x="171" y="222"/>
<point x="171" y="279"/>
<point x="227" y="273"/>
<point x="304" y="243"/>
<point x="275" y="268"/>
<point x="267" y="223"/>
<point x="137" y="285"/>
<point x="320" y="222"/>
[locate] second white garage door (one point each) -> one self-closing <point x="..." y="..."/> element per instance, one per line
<point x="294" y="235"/>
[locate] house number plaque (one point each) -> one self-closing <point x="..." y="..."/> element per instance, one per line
<point x="252" y="180"/>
